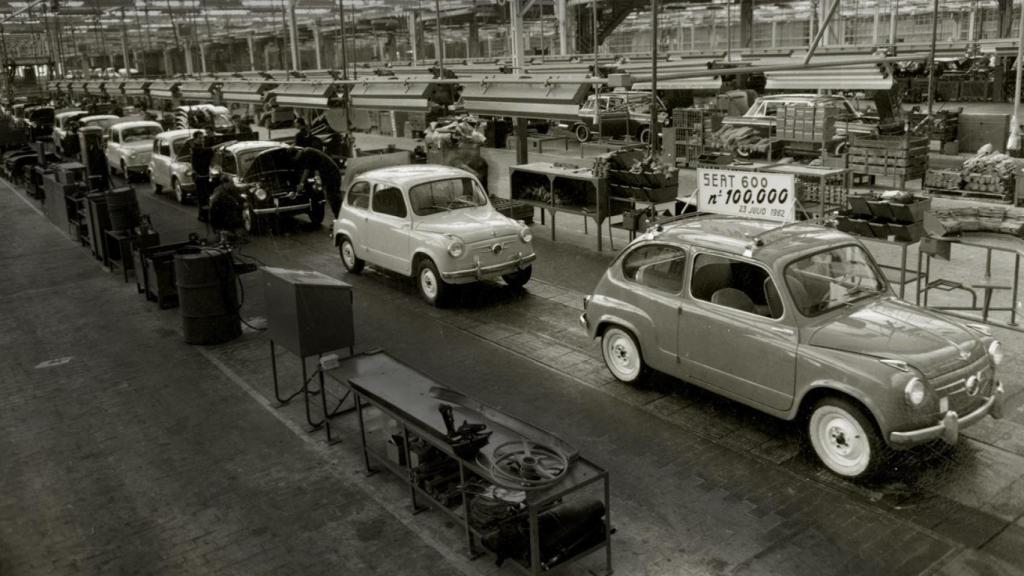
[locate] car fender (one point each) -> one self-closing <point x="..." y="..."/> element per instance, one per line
<point x="862" y="378"/>
<point x="431" y="252"/>
<point x="614" y="311"/>
<point x="344" y="226"/>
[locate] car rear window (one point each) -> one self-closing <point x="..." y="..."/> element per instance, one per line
<point x="656" y="266"/>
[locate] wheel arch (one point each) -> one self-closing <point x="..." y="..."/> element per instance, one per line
<point x="826" y="389"/>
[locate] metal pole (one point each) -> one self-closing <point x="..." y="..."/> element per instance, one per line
<point x="893" y="15"/>
<point x="293" y="32"/>
<point x="822" y="29"/>
<point x="728" y="29"/>
<point x="654" y="82"/>
<point x="344" y="55"/>
<point x="440" y="39"/>
<point x="124" y="45"/>
<point x="597" y="88"/>
<point x="1014" y="142"/>
<point x="931" y="58"/>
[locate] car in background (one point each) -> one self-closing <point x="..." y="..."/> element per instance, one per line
<point x="103" y="121"/>
<point x="799" y="322"/>
<point x="264" y="177"/>
<point x="38" y="121"/>
<point x="219" y="116"/>
<point x="170" y="164"/>
<point x="61" y="125"/>
<point x="434" y="223"/>
<point x="622" y="113"/>
<point x="764" y="111"/>
<point x="129" y="146"/>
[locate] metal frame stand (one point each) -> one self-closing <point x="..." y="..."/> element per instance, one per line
<point x="328" y="415"/>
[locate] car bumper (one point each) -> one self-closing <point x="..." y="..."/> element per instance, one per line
<point x="481" y="272"/>
<point x="138" y="168"/>
<point x="948" y="428"/>
<point x="282" y="209"/>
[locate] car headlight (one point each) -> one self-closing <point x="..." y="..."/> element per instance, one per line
<point x="525" y="234"/>
<point x="260" y="194"/>
<point x="914" y="392"/>
<point x="456" y="248"/>
<point x="995" y="350"/>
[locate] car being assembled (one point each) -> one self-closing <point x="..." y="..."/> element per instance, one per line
<point x="269" y="178"/>
<point x="170" y="164"/>
<point x="104" y="121"/>
<point x="434" y="223"/>
<point x="129" y="146"/>
<point x="799" y="322"/>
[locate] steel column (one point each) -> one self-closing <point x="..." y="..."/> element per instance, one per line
<point x="251" y="40"/>
<point x="822" y="30"/>
<point x="562" y="13"/>
<point x="316" y="44"/>
<point x="893" y="17"/>
<point x="293" y="34"/>
<point x="124" y="45"/>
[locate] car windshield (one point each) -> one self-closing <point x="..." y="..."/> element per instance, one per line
<point x="139" y="133"/>
<point x="444" y="195"/>
<point x="827" y="280"/>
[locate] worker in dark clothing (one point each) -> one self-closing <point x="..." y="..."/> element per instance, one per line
<point x="313" y="162"/>
<point x="303" y="136"/>
<point x="225" y="207"/>
<point x="70" y="145"/>
<point x="202" y="155"/>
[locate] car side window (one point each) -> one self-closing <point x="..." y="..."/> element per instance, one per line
<point x="735" y="284"/>
<point x="359" y="195"/>
<point x="388" y="200"/>
<point x="165" y="148"/>
<point x="656" y="266"/>
<point x="227" y="163"/>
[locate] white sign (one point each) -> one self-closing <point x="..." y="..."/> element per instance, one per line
<point x="748" y="194"/>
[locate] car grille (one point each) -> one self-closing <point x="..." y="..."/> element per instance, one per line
<point x="488" y="246"/>
<point x="953" y="385"/>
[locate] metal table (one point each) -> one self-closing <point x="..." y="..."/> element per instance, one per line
<point x="989" y="242"/>
<point x="412" y="399"/>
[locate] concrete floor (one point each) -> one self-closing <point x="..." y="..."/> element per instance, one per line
<point x="128" y="451"/>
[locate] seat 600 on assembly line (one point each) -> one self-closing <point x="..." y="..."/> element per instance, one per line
<point x="434" y="223"/>
<point x="798" y="322"/>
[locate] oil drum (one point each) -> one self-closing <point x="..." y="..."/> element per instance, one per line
<point x="207" y="295"/>
<point x="123" y="208"/>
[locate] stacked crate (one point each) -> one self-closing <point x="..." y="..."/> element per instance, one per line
<point x="900" y="157"/>
<point x="800" y="123"/>
<point x="693" y="127"/>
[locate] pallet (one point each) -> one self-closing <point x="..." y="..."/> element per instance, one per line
<point x="857" y="160"/>
<point x="916" y="151"/>
<point x="890" y="143"/>
<point x="990" y="197"/>
<point x="911" y="173"/>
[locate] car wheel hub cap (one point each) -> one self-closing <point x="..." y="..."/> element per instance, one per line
<point x="346" y="252"/>
<point x="428" y="282"/>
<point x="622" y="357"/>
<point x="842" y="441"/>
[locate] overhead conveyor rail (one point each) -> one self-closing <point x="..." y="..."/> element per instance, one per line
<point x="240" y="92"/>
<point x="407" y="95"/>
<point x="495" y="97"/>
<point x="201" y="91"/>
<point x="300" y="94"/>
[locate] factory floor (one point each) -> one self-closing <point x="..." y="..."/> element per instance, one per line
<point x="125" y="450"/>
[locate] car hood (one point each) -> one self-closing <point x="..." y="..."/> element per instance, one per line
<point x="271" y="161"/>
<point x="889" y="328"/>
<point x="140" y="146"/>
<point x="470" y="224"/>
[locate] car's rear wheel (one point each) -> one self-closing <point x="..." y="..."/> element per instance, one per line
<point x="519" y="278"/>
<point x="844" y="438"/>
<point x="431" y="287"/>
<point x="349" y="260"/>
<point x="622" y="355"/>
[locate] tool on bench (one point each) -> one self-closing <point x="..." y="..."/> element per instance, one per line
<point x="467" y="439"/>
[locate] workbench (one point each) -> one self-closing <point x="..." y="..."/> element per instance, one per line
<point x="382" y="384"/>
<point x="567" y="189"/>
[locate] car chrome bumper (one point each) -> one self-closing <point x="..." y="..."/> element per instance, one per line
<point x="479" y="272"/>
<point x="584" y="322"/>
<point x="948" y="428"/>
<point x="282" y="209"/>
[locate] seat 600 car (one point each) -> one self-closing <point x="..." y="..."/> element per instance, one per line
<point x="434" y="223"/>
<point x="799" y="322"/>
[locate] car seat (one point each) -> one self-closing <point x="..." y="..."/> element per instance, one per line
<point x="733" y="298"/>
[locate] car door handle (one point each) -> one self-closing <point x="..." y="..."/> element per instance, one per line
<point x="781" y="330"/>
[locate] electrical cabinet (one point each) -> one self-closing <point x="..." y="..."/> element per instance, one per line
<point x="308" y="313"/>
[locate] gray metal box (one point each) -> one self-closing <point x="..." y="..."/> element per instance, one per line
<point x="308" y="313"/>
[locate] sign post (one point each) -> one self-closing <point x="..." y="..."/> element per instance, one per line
<point x="760" y="195"/>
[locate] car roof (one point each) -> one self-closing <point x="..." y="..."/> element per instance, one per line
<point x="68" y="113"/>
<point x="798" y="97"/>
<point x="98" y="117"/>
<point x="236" y="147"/>
<point x="413" y="174"/>
<point x="765" y="240"/>
<point x="175" y="134"/>
<point x="135" y="124"/>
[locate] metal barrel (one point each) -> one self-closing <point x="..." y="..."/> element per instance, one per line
<point x="207" y="295"/>
<point x="123" y="208"/>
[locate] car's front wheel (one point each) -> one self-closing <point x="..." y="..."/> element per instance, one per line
<point x="622" y="356"/>
<point x="582" y="133"/>
<point x="844" y="438"/>
<point x="179" y="194"/>
<point x="250" y="221"/>
<point x="349" y="259"/>
<point x="519" y="278"/>
<point x="431" y="287"/>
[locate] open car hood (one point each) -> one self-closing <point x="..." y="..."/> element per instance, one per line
<point x="270" y="161"/>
